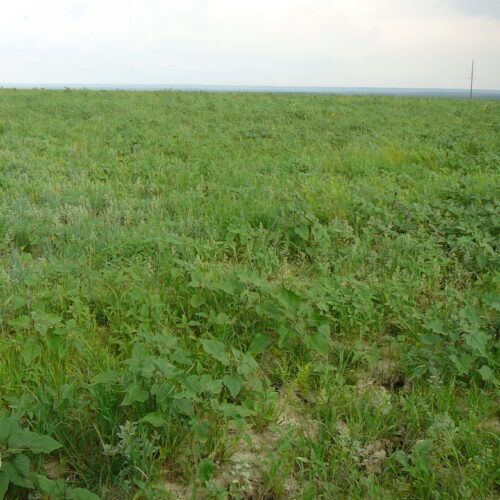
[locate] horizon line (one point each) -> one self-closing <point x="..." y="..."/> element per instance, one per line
<point x="316" y="89"/>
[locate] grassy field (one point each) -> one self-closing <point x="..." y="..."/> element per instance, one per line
<point x="248" y="296"/>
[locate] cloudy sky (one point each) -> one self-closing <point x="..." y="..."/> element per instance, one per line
<point x="400" y="43"/>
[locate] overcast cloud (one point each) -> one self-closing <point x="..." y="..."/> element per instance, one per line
<point x="400" y="43"/>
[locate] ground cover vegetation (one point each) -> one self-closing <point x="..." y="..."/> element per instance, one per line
<point x="248" y="296"/>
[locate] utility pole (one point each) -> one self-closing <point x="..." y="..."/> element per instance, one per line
<point x="471" y="79"/>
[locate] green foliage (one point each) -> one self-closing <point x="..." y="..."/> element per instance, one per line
<point x="192" y="283"/>
<point x="17" y="447"/>
<point x="463" y="346"/>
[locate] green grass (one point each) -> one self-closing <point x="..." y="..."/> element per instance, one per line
<point x="237" y="294"/>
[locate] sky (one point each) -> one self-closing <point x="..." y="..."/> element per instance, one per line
<point x="353" y="43"/>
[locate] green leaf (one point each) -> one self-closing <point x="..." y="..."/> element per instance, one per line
<point x="184" y="406"/>
<point x="34" y="442"/>
<point x="233" y="383"/>
<point x="247" y="365"/>
<point x="81" y="494"/>
<point x="45" y="485"/>
<point x="324" y="330"/>
<point x="135" y="393"/>
<point x="109" y="377"/>
<point x="15" y="476"/>
<point x="148" y="367"/>
<point x="486" y="373"/>
<point x="285" y="337"/>
<point x="470" y="315"/>
<point x="269" y="310"/>
<point x="139" y="352"/>
<point x="209" y="384"/>
<point x="229" y="410"/>
<point x="44" y="322"/>
<point x="162" y="393"/>
<point x="290" y="298"/>
<point x="182" y="357"/>
<point x="216" y="349"/>
<point x="206" y="470"/>
<point x="256" y="384"/>
<point x="225" y="286"/>
<point x="320" y="341"/>
<point x="260" y="343"/>
<point x="30" y="350"/>
<point x="155" y="419"/>
<point x="302" y="231"/>
<point x="191" y="383"/>
<point x="4" y="483"/>
<point x="22" y="322"/>
<point x="462" y="362"/>
<point x="167" y="368"/>
<point x="477" y="341"/>
<point x="22" y="464"/>
<point x="8" y="426"/>
<point x="197" y="300"/>
<point x="201" y="429"/>
<point x="430" y="339"/>
<point x="222" y="319"/>
<point x="436" y="326"/>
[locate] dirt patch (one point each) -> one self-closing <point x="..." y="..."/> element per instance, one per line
<point x="371" y="457"/>
<point x="171" y="483"/>
<point x="491" y="425"/>
<point x="388" y="374"/>
<point x="177" y="490"/>
<point x="378" y="395"/>
<point x="386" y="370"/>
<point x="54" y="470"/>
<point x="241" y="474"/>
<point x="293" y="414"/>
<point x="251" y="453"/>
<point x="374" y="455"/>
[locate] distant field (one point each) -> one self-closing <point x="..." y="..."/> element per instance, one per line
<point x="248" y="296"/>
<point x="337" y="91"/>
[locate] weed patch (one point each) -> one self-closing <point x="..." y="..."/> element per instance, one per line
<point x="248" y="296"/>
